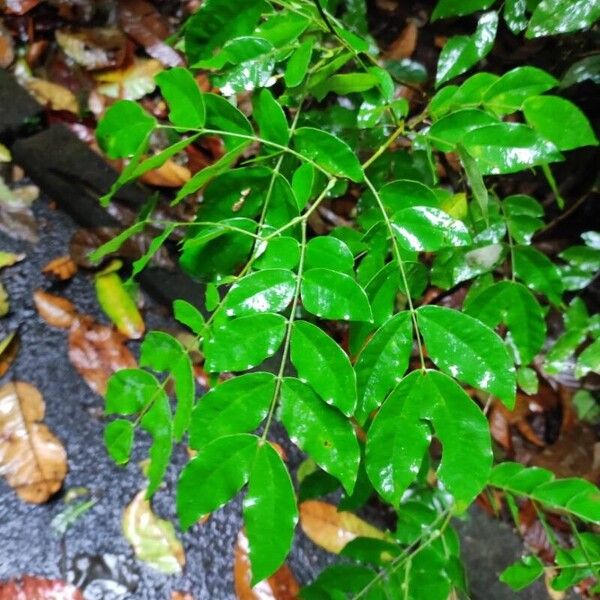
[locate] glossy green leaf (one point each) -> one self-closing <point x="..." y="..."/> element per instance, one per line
<point x="270" y="513"/>
<point x="523" y="217"/>
<point x="514" y="305"/>
<point x="559" y="121"/>
<point x="280" y="253"/>
<point x="269" y="115"/>
<point x="329" y="152"/>
<point x="282" y="28"/>
<point x="343" y="84"/>
<point x="458" y="8"/>
<point x="184" y="98"/>
<point x="467" y="349"/>
<point x="162" y="352"/>
<point x="509" y="92"/>
<point x="187" y="314"/>
<point x="587" y="68"/>
<point x="222" y="115"/>
<point x="471" y="91"/>
<point x="297" y="66"/>
<point x="382" y="363"/>
<point x="538" y="272"/>
<point x="589" y="360"/>
<point x="124" y="128"/>
<point x="333" y="295"/>
<point x="450" y="130"/>
<point x="425" y="229"/>
<point x="326" y="252"/>
<point x="118" y="439"/>
<point x="562" y="16"/>
<point x="321" y="431"/>
<point x="321" y="362"/>
<point x="129" y="391"/>
<point x="508" y="148"/>
<point x="522" y="573"/>
<point x="237" y="405"/>
<point x="515" y="15"/>
<point x="243" y="343"/>
<point x="461" y="52"/>
<point x="214" y="477"/>
<point x="270" y="290"/>
<point x="527" y="380"/>
<point x="405" y="193"/>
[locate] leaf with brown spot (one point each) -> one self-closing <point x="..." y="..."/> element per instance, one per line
<point x="32" y="459"/>
<point x="55" y="310"/>
<point x="9" y="348"/>
<point x="332" y="529"/>
<point x="153" y="539"/>
<point x="143" y="23"/>
<point x="31" y="587"/>
<point x="94" y="48"/>
<point x="61" y="268"/>
<point x="97" y="351"/>
<point x="282" y="585"/>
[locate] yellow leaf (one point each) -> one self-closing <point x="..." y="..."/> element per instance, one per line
<point x="131" y="83"/>
<point x="52" y="94"/>
<point x="456" y="205"/>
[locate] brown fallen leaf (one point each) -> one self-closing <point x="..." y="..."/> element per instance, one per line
<point x="143" y="23"/>
<point x="282" y="585"/>
<point x="61" y="268"/>
<point x="169" y="175"/>
<point x="32" y="459"/>
<point x="332" y="529"/>
<point x="31" y="587"/>
<point x="18" y="7"/>
<point x="131" y="83"/>
<point x="94" y="48"/>
<point x="7" y="47"/>
<point x="9" y="348"/>
<point x="153" y="539"/>
<point x="97" y="351"/>
<point x="55" y="310"/>
<point x="181" y="596"/>
<point x="16" y="216"/>
<point x="53" y="95"/>
<point x="404" y="45"/>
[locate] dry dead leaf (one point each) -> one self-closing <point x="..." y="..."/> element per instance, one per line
<point x="404" y="45"/>
<point x="18" y="7"/>
<point x="131" y="83"/>
<point x="97" y="351"/>
<point x="30" y="587"/>
<point x="142" y="22"/>
<point x="9" y="348"/>
<point x="55" y="310"/>
<point x="16" y="216"/>
<point x="53" y="95"/>
<point x="153" y="539"/>
<point x="7" y="47"/>
<point x="282" y="585"/>
<point x="170" y="175"/>
<point x="61" y="268"/>
<point x="181" y="596"/>
<point x="32" y="459"/>
<point x="331" y="529"/>
<point x="94" y="48"/>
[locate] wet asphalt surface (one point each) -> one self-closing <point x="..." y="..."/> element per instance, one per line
<point x="28" y="544"/>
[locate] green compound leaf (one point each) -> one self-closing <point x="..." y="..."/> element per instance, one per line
<point x="467" y="349"/>
<point x="184" y="98"/>
<point x="214" y="477"/>
<point x="514" y="305"/>
<point x="243" y="343"/>
<point x="382" y="363"/>
<point x="124" y="128"/>
<point x="507" y="94"/>
<point x="321" y="362"/>
<point x="270" y="290"/>
<point x="538" y="272"/>
<point x="321" y="431"/>
<point x="326" y="252"/>
<point x="458" y="8"/>
<point x="508" y="148"/>
<point x="269" y="115"/>
<point x="118" y="439"/>
<point x="298" y="64"/>
<point x="559" y="121"/>
<point x="522" y="573"/>
<point x="461" y="52"/>
<point x="162" y="352"/>
<point x="449" y="131"/>
<point x="329" y="152"/>
<point x="398" y="438"/>
<point x="332" y="295"/>
<point x="238" y="405"/>
<point x="589" y="360"/>
<point x="562" y="16"/>
<point x="187" y="314"/>
<point x="270" y="513"/>
<point x="405" y="193"/>
<point x="426" y="229"/>
<point x="279" y="253"/>
<point x="129" y="391"/>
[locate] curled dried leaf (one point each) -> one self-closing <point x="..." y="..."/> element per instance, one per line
<point x="131" y="83"/>
<point x="97" y="48"/>
<point x="55" y="310"/>
<point x="282" y="585"/>
<point x="332" y="529"/>
<point x="61" y="268"/>
<point x="97" y="351"/>
<point x="32" y="458"/>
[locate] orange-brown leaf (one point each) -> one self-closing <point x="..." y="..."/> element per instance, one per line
<point x="9" y="348"/>
<point x="169" y="175"/>
<point x="55" y="310"/>
<point x="61" y="268"/>
<point x="30" y="587"/>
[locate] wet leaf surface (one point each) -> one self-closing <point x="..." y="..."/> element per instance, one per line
<point x="32" y="459"/>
